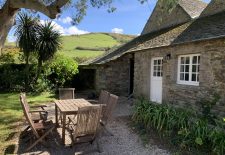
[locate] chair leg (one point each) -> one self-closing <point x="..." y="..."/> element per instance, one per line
<point x="107" y="130"/>
<point x="40" y="139"/>
<point x="99" y="147"/>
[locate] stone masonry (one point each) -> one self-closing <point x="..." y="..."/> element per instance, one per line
<point x="114" y="76"/>
<point x="212" y="74"/>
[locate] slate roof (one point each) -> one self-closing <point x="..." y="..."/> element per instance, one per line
<point x="205" y="28"/>
<point x="200" y="29"/>
<point x="214" y="7"/>
<point x="182" y="11"/>
<point x="195" y="11"/>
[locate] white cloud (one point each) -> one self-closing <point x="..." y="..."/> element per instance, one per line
<point x="66" y="20"/>
<point x="72" y="30"/>
<point x="117" y="30"/>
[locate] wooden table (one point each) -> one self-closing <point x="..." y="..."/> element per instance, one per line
<point x="68" y="107"/>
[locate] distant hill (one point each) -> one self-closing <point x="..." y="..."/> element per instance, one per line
<point x="84" y="47"/>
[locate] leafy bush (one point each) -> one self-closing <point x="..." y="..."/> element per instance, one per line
<point x="7" y="58"/>
<point x="12" y="76"/>
<point x="60" y="69"/>
<point x="186" y="129"/>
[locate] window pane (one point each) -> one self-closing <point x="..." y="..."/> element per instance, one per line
<point x="155" y="68"/>
<point x="187" y="68"/>
<point x="187" y="60"/>
<point x="194" y="77"/>
<point x="158" y="74"/>
<point x="155" y="62"/>
<point x="182" y="60"/>
<point x="161" y="74"/>
<point x="198" y="67"/>
<point x="186" y="77"/>
<point x="195" y="60"/>
<point x="159" y="61"/>
<point x="182" y="68"/>
<point x="154" y="73"/>
<point x="194" y="68"/>
<point x="159" y="68"/>
<point x="182" y="76"/>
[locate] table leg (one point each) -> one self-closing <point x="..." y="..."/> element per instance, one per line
<point x="63" y="128"/>
<point x="56" y="116"/>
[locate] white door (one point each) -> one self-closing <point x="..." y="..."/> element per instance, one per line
<point x="156" y="79"/>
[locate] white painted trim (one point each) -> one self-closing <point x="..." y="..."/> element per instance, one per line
<point x="178" y="70"/>
<point x="152" y="77"/>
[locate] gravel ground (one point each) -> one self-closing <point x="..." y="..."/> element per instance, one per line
<point x="124" y="142"/>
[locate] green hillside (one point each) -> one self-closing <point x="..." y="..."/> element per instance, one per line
<point x="87" y="46"/>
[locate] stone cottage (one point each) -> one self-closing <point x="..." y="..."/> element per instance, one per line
<point x="179" y="59"/>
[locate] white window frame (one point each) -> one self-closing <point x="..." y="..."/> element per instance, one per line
<point x="190" y="70"/>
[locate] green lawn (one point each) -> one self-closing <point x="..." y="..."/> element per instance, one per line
<point x="95" y="40"/>
<point x="11" y="113"/>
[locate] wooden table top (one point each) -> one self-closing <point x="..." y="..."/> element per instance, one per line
<point x="71" y="105"/>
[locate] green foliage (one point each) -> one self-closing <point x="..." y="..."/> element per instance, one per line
<point x="12" y="76"/>
<point x="25" y="30"/>
<point x="207" y="105"/>
<point x="7" y="58"/>
<point x="60" y="69"/>
<point x="186" y="129"/>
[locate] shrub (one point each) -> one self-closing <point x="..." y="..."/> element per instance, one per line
<point x="60" y="69"/>
<point x="186" y="129"/>
<point x="12" y="76"/>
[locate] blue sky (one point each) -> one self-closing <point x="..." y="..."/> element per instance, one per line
<point x="129" y="18"/>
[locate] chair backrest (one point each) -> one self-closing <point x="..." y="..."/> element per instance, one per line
<point x="27" y="115"/>
<point x="103" y="98"/>
<point x="66" y="93"/>
<point x="110" y="106"/>
<point x="88" y="119"/>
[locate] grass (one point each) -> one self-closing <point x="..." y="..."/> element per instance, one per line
<point x="11" y="113"/>
<point x="98" y="41"/>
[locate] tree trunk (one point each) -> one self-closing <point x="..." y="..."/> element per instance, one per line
<point x="7" y="16"/>
<point x="39" y="68"/>
<point x="27" y="68"/>
<point x="11" y="7"/>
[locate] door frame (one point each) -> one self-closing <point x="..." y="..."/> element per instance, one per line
<point x="152" y="77"/>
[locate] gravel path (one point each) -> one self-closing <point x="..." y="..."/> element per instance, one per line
<point x="124" y="142"/>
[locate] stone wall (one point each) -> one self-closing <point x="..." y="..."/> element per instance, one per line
<point x="212" y="74"/>
<point x="114" y="76"/>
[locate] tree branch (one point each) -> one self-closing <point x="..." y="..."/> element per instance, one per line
<point x="51" y="10"/>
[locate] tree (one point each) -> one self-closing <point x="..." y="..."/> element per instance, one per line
<point x="48" y="42"/>
<point x="26" y="29"/>
<point x="51" y="8"/>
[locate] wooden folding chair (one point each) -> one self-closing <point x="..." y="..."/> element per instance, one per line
<point x="66" y="93"/>
<point x="107" y="113"/>
<point x="85" y="126"/>
<point x="39" y="129"/>
<point x="103" y="98"/>
<point x="36" y="114"/>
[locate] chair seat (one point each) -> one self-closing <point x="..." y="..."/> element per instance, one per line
<point x="38" y="117"/>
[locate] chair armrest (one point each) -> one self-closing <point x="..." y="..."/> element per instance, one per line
<point x="33" y="111"/>
<point x="93" y="101"/>
<point x="38" y="106"/>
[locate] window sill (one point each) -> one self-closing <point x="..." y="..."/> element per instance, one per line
<point x="188" y="83"/>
